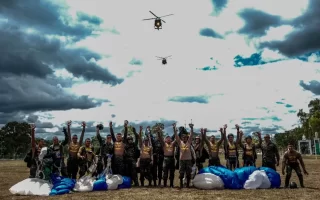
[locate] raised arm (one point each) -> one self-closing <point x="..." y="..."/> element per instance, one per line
<point x="33" y="140"/>
<point x="238" y="134"/>
<point x="222" y="137"/>
<point x="66" y="137"/>
<point x="112" y="132"/>
<point x="260" y="140"/>
<point x="225" y="137"/>
<point x="175" y="133"/>
<point x="99" y="138"/>
<point x="160" y="137"/>
<point x="136" y="136"/>
<point x="82" y="132"/>
<point x="69" y="131"/>
<point x="191" y="133"/>
<point x="140" y="137"/>
<point x="125" y="135"/>
<point x="239" y="138"/>
<point x="205" y="139"/>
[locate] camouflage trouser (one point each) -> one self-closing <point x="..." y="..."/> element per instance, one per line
<point x="157" y="167"/>
<point x="72" y="167"/>
<point x="131" y="169"/>
<point x="296" y="168"/>
<point x="249" y="161"/>
<point x="58" y="167"/>
<point x="168" y="167"/>
<point x="232" y="163"/>
<point x="269" y="164"/>
<point x="145" y="169"/>
<point x="84" y="166"/>
<point x="33" y="169"/>
<point x="185" y="168"/>
<point x="118" y="165"/>
<point x="214" y="162"/>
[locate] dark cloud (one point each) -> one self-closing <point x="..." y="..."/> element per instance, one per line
<point x="304" y="37"/>
<point x="289" y="106"/>
<point x="219" y="5"/>
<point x="292" y="111"/>
<point x="135" y="61"/>
<point x="190" y="99"/>
<point x="253" y="60"/>
<point x="286" y="105"/>
<point x="257" y="22"/>
<point x="306" y="56"/>
<point x="313" y="86"/>
<point x="208" y="68"/>
<point x="279" y="102"/>
<point x="113" y="115"/>
<point x="273" y="118"/>
<point x="34" y="94"/>
<point x="49" y="17"/>
<point x="88" y="18"/>
<point x="208" y="32"/>
<point x="132" y="73"/>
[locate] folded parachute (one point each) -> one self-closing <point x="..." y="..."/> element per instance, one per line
<point x="32" y="186"/>
<point x="241" y="178"/>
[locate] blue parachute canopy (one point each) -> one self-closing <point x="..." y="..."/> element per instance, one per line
<point x="273" y="176"/>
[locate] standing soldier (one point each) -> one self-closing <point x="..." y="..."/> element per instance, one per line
<point x="168" y="163"/>
<point x="157" y="157"/>
<point x="130" y="158"/>
<point x="86" y="157"/>
<point x="231" y="149"/>
<point x="146" y="158"/>
<point x="249" y="150"/>
<point x="74" y="146"/>
<point x="198" y="149"/>
<point x="291" y="160"/>
<point x="213" y="147"/>
<point x="104" y="150"/>
<point x="185" y="158"/>
<point x="270" y="153"/>
<point x="119" y="147"/>
<point x="57" y="149"/>
<point x="35" y="151"/>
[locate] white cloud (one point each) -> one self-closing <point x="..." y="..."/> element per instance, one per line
<point x="145" y="95"/>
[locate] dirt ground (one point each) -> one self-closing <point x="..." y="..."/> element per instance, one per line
<point x="12" y="172"/>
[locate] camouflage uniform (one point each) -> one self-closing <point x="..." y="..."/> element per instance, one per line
<point x="105" y="149"/>
<point x="269" y="155"/>
<point x="33" y="162"/>
<point x="169" y="167"/>
<point x="158" y="157"/>
<point x="118" y="166"/>
<point x="292" y="164"/>
<point x="145" y="170"/>
<point x="58" y="162"/>
<point x="130" y="159"/>
<point x="84" y="164"/>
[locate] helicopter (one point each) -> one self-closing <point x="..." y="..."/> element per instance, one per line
<point x="164" y="60"/>
<point x="157" y="20"/>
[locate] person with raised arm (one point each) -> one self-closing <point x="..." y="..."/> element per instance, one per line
<point x="185" y="159"/>
<point x="270" y="153"/>
<point x="249" y="155"/>
<point x="106" y="148"/>
<point x="119" y="147"/>
<point x="198" y="149"/>
<point x="130" y="157"/>
<point x="213" y="147"/>
<point x="86" y="157"/>
<point x="57" y="149"/>
<point x="169" y="161"/>
<point x="35" y="151"/>
<point x="74" y="146"/>
<point x="146" y="158"/>
<point x="231" y="149"/>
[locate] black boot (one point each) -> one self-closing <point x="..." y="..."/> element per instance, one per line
<point x="181" y="183"/>
<point x="150" y="183"/>
<point x="136" y="183"/>
<point x="188" y="182"/>
<point x="142" y="183"/>
<point x="301" y="181"/>
<point x="155" y="182"/>
<point x="286" y="183"/>
<point x="159" y="182"/>
<point x="171" y="183"/>
<point x="164" y="182"/>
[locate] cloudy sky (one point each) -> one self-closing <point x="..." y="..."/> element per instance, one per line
<point x="249" y="62"/>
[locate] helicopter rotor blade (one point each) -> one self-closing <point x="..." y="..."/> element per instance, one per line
<point x="163" y="21"/>
<point x="168" y="56"/>
<point x="154" y="14"/>
<point x="165" y="15"/>
<point x="159" y="57"/>
<point x="150" y="19"/>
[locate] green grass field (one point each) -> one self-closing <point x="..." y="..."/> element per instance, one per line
<point x="14" y="171"/>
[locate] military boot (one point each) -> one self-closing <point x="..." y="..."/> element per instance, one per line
<point x="301" y="181"/>
<point x="181" y="183"/>
<point x="171" y="183"/>
<point x="159" y="182"/>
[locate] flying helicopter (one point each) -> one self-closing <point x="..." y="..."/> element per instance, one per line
<point x="157" y="20"/>
<point x="164" y="60"/>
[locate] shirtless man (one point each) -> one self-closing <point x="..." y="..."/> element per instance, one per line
<point x="35" y="151"/>
<point x="86" y="157"/>
<point x="213" y="147"/>
<point x="119" y="147"/>
<point x="249" y="149"/>
<point x="291" y="160"/>
<point x="146" y="158"/>
<point x="74" y="146"/>
<point x="169" y="162"/>
<point x="231" y="149"/>
<point x="185" y="157"/>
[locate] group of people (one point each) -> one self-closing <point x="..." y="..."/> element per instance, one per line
<point x="156" y="157"/>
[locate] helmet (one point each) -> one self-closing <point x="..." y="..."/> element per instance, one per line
<point x="293" y="185"/>
<point x="100" y="126"/>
